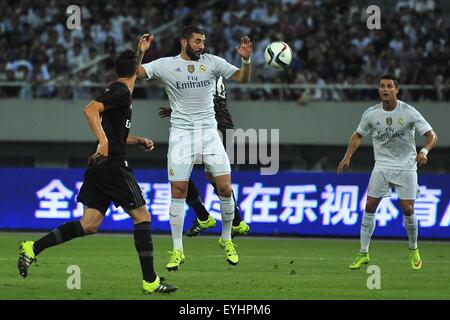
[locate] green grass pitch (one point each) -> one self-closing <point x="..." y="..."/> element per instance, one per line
<point x="269" y="268"/>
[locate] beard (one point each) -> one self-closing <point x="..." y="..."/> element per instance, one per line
<point x="193" y="54"/>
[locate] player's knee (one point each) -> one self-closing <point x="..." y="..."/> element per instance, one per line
<point x="371" y="207"/>
<point x="89" y="228"/>
<point x="224" y="190"/>
<point x="179" y="192"/>
<point x="408" y="210"/>
<point x="140" y="215"/>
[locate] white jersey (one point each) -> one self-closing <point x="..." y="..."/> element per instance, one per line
<point x="190" y="86"/>
<point x="393" y="139"/>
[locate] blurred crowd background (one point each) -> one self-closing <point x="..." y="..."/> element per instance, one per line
<point x="41" y="58"/>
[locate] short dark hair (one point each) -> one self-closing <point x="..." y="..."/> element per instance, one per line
<point x="187" y="32"/>
<point x="390" y="77"/>
<point x="126" y="63"/>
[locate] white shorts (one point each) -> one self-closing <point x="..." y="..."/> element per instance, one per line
<point x="187" y="147"/>
<point x="404" y="181"/>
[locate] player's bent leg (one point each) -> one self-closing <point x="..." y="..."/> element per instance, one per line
<point x="239" y="226"/>
<point x="29" y="250"/>
<point x="199" y="226"/>
<point x="194" y="201"/>
<point x="91" y="220"/>
<point x="204" y="220"/>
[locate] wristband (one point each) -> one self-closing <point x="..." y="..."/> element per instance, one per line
<point x="248" y="61"/>
<point x="424" y="151"/>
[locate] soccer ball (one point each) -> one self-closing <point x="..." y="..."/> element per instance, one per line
<point x="278" y="55"/>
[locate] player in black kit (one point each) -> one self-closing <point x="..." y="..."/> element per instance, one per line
<point x="108" y="178"/>
<point x="204" y="220"/>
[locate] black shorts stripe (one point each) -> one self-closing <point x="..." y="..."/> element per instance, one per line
<point x="138" y="192"/>
<point x="135" y="190"/>
<point x="132" y="184"/>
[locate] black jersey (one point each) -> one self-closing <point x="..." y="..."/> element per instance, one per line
<point x="223" y="116"/>
<point x="116" y="121"/>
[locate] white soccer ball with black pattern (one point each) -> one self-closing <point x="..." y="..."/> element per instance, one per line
<point x="278" y="55"/>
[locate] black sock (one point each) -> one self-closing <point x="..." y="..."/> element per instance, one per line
<point x="144" y="247"/>
<point x="215" y="188"/>
<point x="237" y="212"/>
<point x="193" y="200"/>
<point x="63" y="233"/>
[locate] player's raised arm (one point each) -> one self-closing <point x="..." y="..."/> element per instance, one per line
<point x="353" y="145"/>
<point x="245" y="51"/>
<point x="422" y="156"/>
<point x="144" y="44"/>
<point x="92" y="112"/>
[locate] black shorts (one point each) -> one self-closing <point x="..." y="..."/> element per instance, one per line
<point x="105" y="184"/>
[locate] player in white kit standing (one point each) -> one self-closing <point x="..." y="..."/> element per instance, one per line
<point x="189" y="81"/>
<point x="393" y="124"/>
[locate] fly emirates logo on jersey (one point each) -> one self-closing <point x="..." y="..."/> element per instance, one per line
<point x="192" y="83"/>
<point x="391" y="131"/>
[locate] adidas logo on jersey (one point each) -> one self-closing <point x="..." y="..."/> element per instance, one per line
<point x="177" y="70"/>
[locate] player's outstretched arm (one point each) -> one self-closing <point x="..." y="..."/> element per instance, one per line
<point x="92" y="112"/>
<point x="353" y="145"/>
<point x="245" y="51"/>
<point x="144" y="44"/>
<point x="143" y="143"/>
<point x="422" y="156"/>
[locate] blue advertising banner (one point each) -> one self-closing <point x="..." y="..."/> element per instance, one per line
<point x="289" y="203"/>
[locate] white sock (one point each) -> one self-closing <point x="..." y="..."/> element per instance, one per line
<point x="412" y="230"/>
<point x="176" y="217"/>
<point x="367" y="227"/>
<point x="227" y="211"/>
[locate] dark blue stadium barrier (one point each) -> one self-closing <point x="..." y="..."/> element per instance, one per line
<point x="290" y="203"/>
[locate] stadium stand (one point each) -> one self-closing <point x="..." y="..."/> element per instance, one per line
<point x="412" y="44"/>
<point x="334" y="61"/>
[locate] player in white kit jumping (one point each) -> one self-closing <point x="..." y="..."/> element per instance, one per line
<point x="393" y="124"/>
<point x="189" y="81"/>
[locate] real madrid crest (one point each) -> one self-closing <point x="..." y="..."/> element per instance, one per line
<point x="191" y="68"/>
<point x="400" y="122"/>
<point x="389" y="121"/>
<point x="202" y="68"/>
